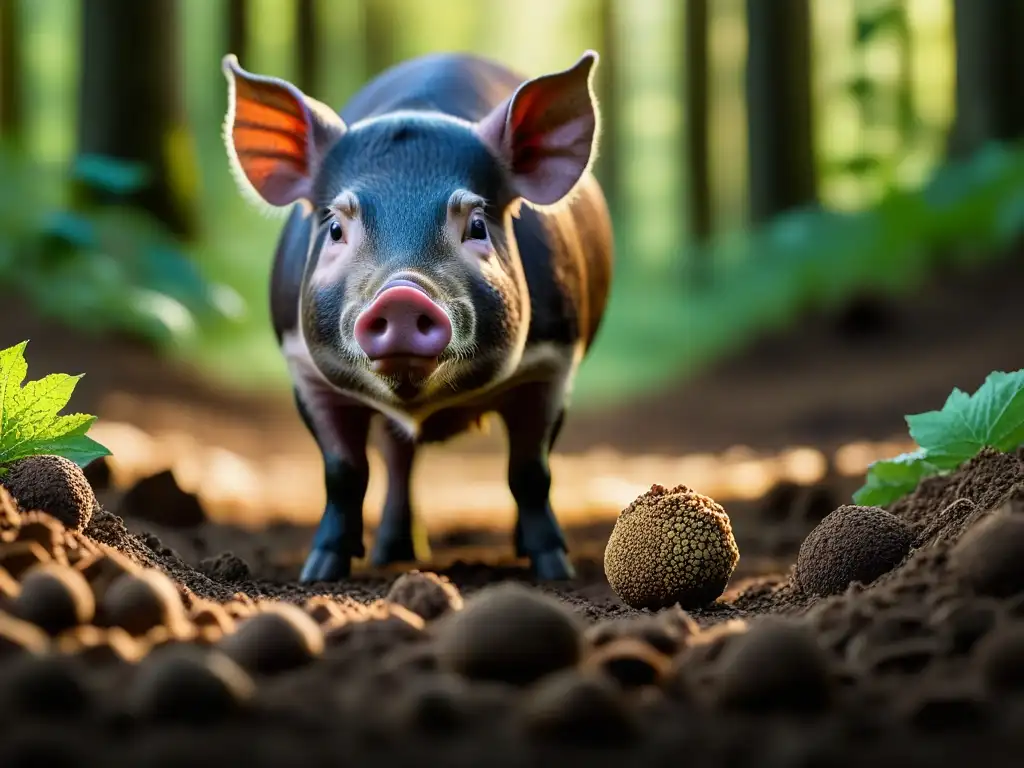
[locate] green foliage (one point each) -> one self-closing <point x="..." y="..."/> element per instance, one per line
<point x="105" y="266"/>
<point x="991" y="417"/>
<point x="30" y="420"/>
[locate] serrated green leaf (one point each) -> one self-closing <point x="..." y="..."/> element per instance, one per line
<point x="30" y="420"/>
<point x="892" y="479"/>
<point x="991" y="417"/>
<point x="13" y="370"/>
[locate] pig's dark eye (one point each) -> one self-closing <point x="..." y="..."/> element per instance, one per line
<point x="336" y="232"/>
<point x="477" y="230"/>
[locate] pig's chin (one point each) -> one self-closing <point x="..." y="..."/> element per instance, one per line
<point x="405" y="375"/>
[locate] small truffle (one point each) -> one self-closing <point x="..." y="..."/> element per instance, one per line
<point x="54" y="485"/>
<point x="1000" y="660"/>
<point x="509" y="633"/>
<point x="988" y="557"/>
<point x="276" y="639"/>
<point x="429" y="595"/>
<point x="186" y="684"/>
<point x="55" y="598"/>
<point x="671" y="546"/>
<point x="137" y="602"/>
<point x="775" y="666"/>
<point x="51" y="687"/>
<point x="851" y="544"/>
<point x="159" y="499"/>
<point x="631" y="663"/>
<point x="584" y="710"/>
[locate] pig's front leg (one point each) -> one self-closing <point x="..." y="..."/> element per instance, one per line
<point x="533" y="416"/>
<point x="341" y="432"/>
<point x="394" y="541"/>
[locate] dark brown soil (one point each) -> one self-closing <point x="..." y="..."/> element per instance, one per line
<point x="923" y="666"/>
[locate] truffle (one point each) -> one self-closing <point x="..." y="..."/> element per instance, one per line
<point x="49" y="686"/>
<point x="137" y="602"/>
<point x="159" y="499"/>
<point x="1000" y="660"/>
<point x="670" y="546"/>
<point x="187" y="684"/>
<point x="988" y="557"/>
<point x="277" y="638"/>
<point x="664" y="632"/>
<point x="55" y="598"/>
<point x="509" y="633"/>
<point x="775" y="666"/>
<point x="227" y="567"/>
<point x="427" y="594"/>
<point x="852" y="544"/>
<point x="630" y="662"/>
<point x="54" y="485"/>
<point x="584" y="710"/>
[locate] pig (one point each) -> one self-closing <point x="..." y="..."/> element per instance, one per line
<point x="447" y="256"/>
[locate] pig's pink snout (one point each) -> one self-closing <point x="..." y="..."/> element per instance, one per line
<point x="403" y="321"/>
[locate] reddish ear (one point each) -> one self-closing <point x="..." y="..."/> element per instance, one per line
<point x="275" y="135"/>
<point x="546" y="132"/>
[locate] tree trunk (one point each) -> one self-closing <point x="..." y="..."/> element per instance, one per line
<point x="606" y="168"/>
<point x="989" y="73"/>
<point x="378" y="32"/>
<point x="306" y="47"/>
<point x="10" y="71"/>
<point x="131" y="102"/>
<point x="779" y="124"/>
<point x="696" y="129"/>
<point x="238" y="30"/>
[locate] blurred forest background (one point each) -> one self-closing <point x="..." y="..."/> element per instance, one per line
<point x="763" y="159"/>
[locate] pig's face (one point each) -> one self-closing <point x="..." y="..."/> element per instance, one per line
<point x="413" y="289"/>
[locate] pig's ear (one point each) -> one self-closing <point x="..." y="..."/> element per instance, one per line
<point x="276" y="136"/>
<point x="546" y="132"/>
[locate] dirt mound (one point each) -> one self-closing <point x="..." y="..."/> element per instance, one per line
<point x="138" y="653"/>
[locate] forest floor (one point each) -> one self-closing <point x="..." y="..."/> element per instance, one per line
<point x="925" y="665"/>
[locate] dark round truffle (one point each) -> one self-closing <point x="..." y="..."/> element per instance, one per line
<point x="988" y="558"/>
<point x="54" y="598"/>
<point x="54" y="485"/>
<point x="51" y="686"/>
<point x="670" y="546"/>
<point x="137" y="602"/>
<point x="427" y="594"/>
<point x="776" y="665"/>
<point x="579" y="709"/>
<point x="509" y="633"/>
<point x="277" y="638"/>
<point x="1000" y="659"/>
<point x="188" y="684"/>
<point x="630" y="662"/>
<point x="851" y="544"/>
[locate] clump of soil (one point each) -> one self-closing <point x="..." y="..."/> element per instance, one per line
<point x="138" y="648"/>
<point x="54" y="485"/>
<point x="671" y="547"/>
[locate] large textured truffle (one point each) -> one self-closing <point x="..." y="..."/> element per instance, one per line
<point x="668" y="547"/>
<point x="54" y="485"/>
<point x="851" y="544"/>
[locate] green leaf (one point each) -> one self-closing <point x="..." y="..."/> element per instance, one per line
<point x="30" y="419"/>
<point x="892" y="479"/>
<point x="991" y="417"/>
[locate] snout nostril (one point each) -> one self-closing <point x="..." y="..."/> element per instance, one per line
<point x="378" y="326"/>
<point x="424" y="324"/>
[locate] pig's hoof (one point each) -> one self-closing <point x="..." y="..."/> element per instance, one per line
<point x="325" y="565"/>
<point x="552" y="565"/>
<point x="386" y="553"/>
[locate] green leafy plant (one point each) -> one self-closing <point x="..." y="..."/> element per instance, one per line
<point x="992" y="417"/>
<point x="30" y="420"/>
